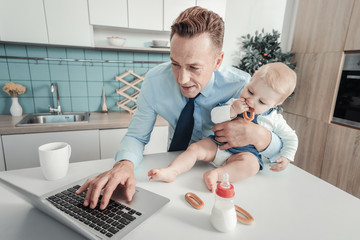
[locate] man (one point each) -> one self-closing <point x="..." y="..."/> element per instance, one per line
<point x="195" y="70"/>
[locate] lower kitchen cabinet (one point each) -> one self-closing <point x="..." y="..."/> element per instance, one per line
<point x="21" y="150"/>
<point x="2" y="160"/>
<point x="341" y="164"/>
<point x="110" y="141"/>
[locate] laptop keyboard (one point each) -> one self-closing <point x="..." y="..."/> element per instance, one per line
<point x="108" y="222"/>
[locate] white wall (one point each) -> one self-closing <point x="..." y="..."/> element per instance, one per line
<point x="247" y="16"/>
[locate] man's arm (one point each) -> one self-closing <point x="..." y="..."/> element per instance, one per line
<point x="128" y="157"/>
<point x="240" y="132"/>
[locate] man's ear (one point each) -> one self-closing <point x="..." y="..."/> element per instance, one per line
<point x="219" y="61"/>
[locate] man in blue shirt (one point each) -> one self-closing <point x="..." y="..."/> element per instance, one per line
<point x="196" y="56"/>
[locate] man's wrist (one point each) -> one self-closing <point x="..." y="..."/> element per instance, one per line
<point x="124" y="162"/>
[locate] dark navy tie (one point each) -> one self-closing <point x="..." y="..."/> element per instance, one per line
<point x="184" y="127"/>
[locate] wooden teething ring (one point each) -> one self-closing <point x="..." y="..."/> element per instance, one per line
<point x="247" y="219"/>
<point x="194" y="200"/>
<point x="252" y="115"/>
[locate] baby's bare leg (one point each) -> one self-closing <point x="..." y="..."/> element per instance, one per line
<point x="203" y="150"/>
<point x="239" y="166"/>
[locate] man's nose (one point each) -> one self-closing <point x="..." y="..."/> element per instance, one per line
<point x="183" y="76"/>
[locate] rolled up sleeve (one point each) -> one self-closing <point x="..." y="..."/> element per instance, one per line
<point x="271" y="152"/>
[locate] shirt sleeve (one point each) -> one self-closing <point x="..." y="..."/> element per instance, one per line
<point x="221" y="113"/>
<point x="273" y="148"/>
<point x="288" y="138"/>
<point x="139" y="131"/>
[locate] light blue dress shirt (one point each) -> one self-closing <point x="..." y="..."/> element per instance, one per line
<point x="160" y="95"/>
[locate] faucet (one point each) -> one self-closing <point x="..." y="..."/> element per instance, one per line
<point x="58" y="108"/>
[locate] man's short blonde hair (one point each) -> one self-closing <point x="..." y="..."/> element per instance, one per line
<point x="197" y="20"/>
<point x="279" y="77"/>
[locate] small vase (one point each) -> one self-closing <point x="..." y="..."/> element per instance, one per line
<point x="16" y="109"/>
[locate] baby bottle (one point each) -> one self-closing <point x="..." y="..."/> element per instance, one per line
<point x="223" y="214"/>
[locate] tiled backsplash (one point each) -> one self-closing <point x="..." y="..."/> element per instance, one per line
<point x="80" y="84"/>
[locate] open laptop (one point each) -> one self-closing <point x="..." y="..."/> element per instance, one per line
<point x="118" y="219"/>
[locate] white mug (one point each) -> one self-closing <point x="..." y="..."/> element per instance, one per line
<point x="54" y="159"/>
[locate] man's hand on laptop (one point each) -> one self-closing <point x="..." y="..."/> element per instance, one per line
<point x="122" y="173"/>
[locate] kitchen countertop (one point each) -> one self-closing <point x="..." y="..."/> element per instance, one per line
<point x="291" y="204"/>
<point x="97" y="120"/>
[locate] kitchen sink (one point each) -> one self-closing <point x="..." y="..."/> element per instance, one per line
<point x="51" y="118"/>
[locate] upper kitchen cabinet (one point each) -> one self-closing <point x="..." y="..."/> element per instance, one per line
<point x="68" y="22"/>
<point x="321" y="26"/>
<point x="218" y="6"/>
<point x="112" y="13"/>
<point x="145" y="14"/>
<point x="23" y="21"/>
<point x="353" y="35"/>
<point x="172" y="9"/>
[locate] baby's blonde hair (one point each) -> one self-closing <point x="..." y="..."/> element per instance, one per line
<point x="279" y="77"/>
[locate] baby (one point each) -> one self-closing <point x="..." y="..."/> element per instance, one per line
<point x="267" y="89"/>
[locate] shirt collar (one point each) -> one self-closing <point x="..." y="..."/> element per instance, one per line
<point x="209" y="87"/>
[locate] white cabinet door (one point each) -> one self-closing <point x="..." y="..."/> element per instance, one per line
<point x="2" y="161"/>
<point x="218" y="6"/>
<point x="23" y="21"/>
<point x="110" y="141"/>
<point x="146" y="14"/>
<point x="172" y="9"/>
<point x="68" y="22"/>
<point x="108" y="13"/>
<point x="21" y="150"/>
<point x="158" y="141"/>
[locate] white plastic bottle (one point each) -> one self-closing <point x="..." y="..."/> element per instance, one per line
<point x="223" y="215"/>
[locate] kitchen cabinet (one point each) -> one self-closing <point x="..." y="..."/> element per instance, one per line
<point x="321" y="26"/>
<point x="341" y="164"/>
<point x="145" y="14"/>
<point x="68" y="22"/>
<point x="353" y="34"/>
<point x="112" y="13"/>
<point x="110" y="141"/>
<point x="218" y="6"/>
<point x="326" y="150"/>
<point x="172" y="9"/>
<point x="23" y="21"/>
<point x="318" y="75"/>
<point x="312" y="138"/>
<point x="21" y="150"/>
<point x="2" y="160"/>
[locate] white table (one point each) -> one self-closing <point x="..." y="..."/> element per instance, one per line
<point x="288" y="205"/>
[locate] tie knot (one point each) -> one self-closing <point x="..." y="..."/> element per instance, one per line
<point x="193" y="99"/>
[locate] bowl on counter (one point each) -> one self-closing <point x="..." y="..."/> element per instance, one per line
<point x="160" y="43"/>
<point x="116" y="41"/>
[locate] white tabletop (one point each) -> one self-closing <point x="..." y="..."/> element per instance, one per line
<point x="288" y="205"/>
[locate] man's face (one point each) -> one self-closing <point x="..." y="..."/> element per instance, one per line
<point x="193" y="62"/>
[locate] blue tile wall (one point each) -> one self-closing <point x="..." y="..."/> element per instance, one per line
<point x="80" y="84"/>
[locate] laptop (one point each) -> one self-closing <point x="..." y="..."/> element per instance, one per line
<point x="118" y="219"/>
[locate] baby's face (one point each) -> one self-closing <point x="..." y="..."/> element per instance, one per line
<point x="259" y="96"/>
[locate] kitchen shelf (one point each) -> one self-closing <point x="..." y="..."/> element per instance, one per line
<point x="135" y="49"/>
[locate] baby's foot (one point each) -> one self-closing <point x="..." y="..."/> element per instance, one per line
<point x="210" y="178"/>
<point x="162" y="174"/>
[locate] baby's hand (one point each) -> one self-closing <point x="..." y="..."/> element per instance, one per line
<point x="282" y="163"/>
<point x="239" y="106"/>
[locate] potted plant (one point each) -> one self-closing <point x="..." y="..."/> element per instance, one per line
<point x="260" y="49"/>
